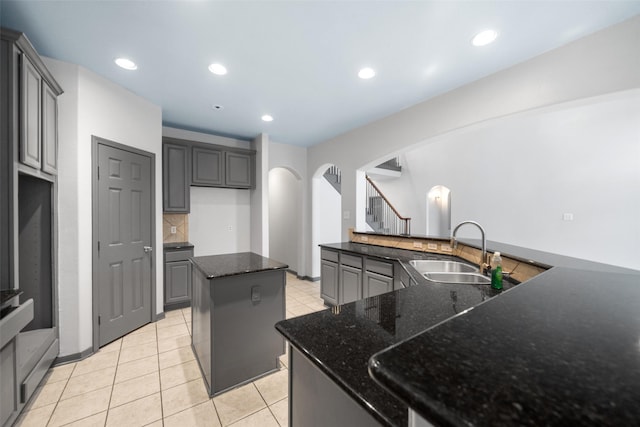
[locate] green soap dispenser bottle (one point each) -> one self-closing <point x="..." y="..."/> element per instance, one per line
<point x="496" y="271"/>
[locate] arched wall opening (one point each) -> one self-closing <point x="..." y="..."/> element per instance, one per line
<point x="326" y="223"/>
<point x="438" y="211"/>
<point x="285" y="217"/>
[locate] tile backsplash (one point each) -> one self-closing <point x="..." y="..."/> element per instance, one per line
<point x="180" y="222"/>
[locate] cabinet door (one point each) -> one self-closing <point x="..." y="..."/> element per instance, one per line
<point x="8" y="385"/>
<point x="177" y="282"/>
<point x="49" y="130"/>
<point x="30" y="99"/>
<point x="207" y="167"/>
<point x="329" y="282"/>
<point x="376" y="284"/>
<point x="350" y="284"/>
<point x="238" y="170"/>
<point x="175" y="178"/>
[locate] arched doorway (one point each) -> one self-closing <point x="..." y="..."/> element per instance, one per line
<point x="285" y="217"/>
<point x="325" y="211"/>
<point x="439" y="211"/>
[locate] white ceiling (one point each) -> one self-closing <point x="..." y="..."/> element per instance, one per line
<point x="298" y="60"/>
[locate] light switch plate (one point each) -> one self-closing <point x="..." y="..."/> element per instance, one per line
<point x="174" y="230"/>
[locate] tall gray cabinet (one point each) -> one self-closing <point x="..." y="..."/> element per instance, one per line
<point x="28" y="191"/>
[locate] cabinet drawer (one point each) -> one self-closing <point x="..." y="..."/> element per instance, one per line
<point x="380" y="267"/>
<point x="329" y="255"/>
<point x="179" y="255"/>
<point x="12" y="323"/>
<point x="351" y="260"/>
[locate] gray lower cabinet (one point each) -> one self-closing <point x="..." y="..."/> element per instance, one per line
<point x="350" y="283"/>
<point x="376" y="284"/>
<point x="316" y="400"/>
<point x="378" y="277"/>
<point x="8" y="383"/>
<point x="177" y="278"/>
<point x="329" y="276"/>
<point x="13" y="320"/>
<point x="176" y="159"/>
<point x="347" y="277"/>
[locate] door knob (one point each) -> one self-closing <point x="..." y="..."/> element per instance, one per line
<point x="148" y="249"/>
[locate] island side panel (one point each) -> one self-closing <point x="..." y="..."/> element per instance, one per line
<point x="315" y="400"/>
<point x="201" y="339"/>
<point x="246" y="308"/>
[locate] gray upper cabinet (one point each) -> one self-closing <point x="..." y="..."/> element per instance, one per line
<point x="239" y="170"/>
<point x="187" y="163"/>
<point x="31" y="92"/>
<point x="30" y="117"/>
<point x="208" y="167"/>
<point x="49" y="130"/>
<point x="175" y="178"/>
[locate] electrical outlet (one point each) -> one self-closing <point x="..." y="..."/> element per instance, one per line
<point x="445" y="247"/>
<point x="364" y="238"/>
<point x="229" y="228"/>
<point x="417" y="245"/>
<point x="432" y="246"/>
<point x="174" y="230"/>
<point x="567" y="216"/>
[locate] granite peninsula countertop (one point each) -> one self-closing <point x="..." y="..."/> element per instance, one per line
<point x="561" y="349"/>
<point x="215" y="266"/>
<point x="340" y="341"/>
<point x="558" y="311"/>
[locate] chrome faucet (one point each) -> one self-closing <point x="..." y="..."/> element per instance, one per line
<point x="484" y="265"/>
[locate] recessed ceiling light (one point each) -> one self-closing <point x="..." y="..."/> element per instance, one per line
<point x="125" y="63"/>
<point x="485" y="37"/>
<point x="218" y="69"/>
<point x="267" y="118"/>
<point x="366" y="73"/>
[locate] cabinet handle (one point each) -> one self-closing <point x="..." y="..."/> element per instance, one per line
<point x="148" y="249"/>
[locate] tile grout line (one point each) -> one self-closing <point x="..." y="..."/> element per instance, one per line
<point x="159" y="376"/>
<point x="113" y="383"/>
<point x="60" y="397"/>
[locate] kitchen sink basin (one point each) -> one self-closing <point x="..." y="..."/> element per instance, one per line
<point x="442" y="266"/>
<point x="460" y="278"/>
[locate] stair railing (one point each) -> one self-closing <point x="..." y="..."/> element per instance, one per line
<point x="383" y="212"/>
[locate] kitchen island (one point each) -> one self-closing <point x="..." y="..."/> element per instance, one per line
<point x="237" y="298"/>
<point x="331" y="349"/>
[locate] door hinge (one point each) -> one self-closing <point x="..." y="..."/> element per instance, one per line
<point x="99" y="320"/>
<point x="98" y="173"/>
<point x="98" y="246"/>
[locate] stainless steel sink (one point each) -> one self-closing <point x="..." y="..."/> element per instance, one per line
<point x="442" y="266"/>
<point x="460" y="278"/>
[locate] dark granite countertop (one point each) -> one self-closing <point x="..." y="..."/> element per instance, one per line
<point x="341" y="340"/>
<point x="560" y="349"/>
<point x="177" y="245"/>
<point x="214" y="266"/>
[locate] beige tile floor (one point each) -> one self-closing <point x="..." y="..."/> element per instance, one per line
<point x="151" y="378"/>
